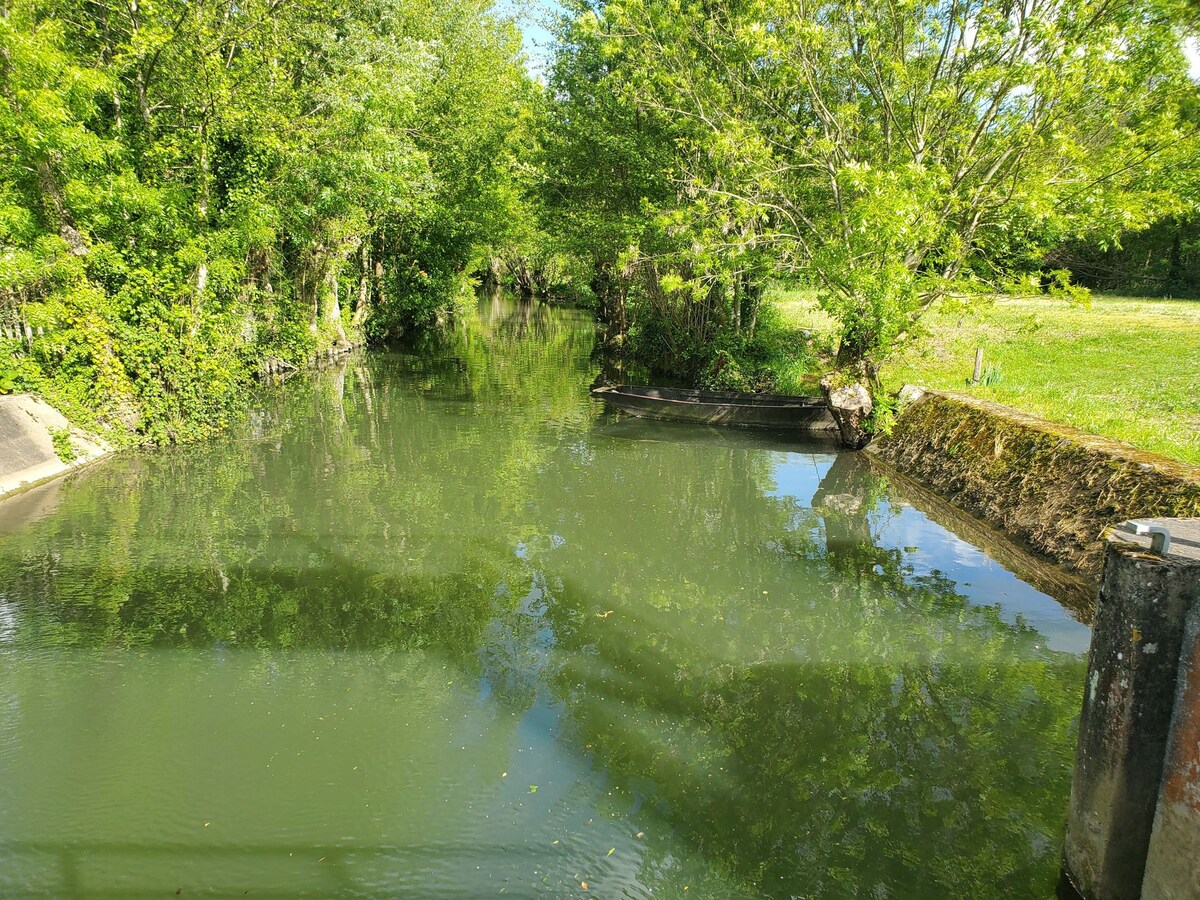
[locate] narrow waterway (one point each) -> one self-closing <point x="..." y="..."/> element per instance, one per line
<point x="436" y="624"/>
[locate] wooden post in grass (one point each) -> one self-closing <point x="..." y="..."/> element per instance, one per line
<point x="978" y="365"/>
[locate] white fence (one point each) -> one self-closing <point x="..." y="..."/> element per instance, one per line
<point x="14" y="327"/>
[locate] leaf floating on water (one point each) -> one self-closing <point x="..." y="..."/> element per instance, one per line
<point x="611" y="852"/>
<point x="583" y="884"/>
<point x="533" y="788"/>
<point x="641" y="834"/>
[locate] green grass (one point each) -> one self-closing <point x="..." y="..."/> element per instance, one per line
<point x="1124" y="367"/>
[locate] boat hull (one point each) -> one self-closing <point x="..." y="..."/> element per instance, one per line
<point x="720" y="407"/>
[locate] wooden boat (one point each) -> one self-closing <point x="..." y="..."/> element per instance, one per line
<point x="719" y="407"/>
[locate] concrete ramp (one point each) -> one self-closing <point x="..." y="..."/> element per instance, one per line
<point x="27" y="454"/>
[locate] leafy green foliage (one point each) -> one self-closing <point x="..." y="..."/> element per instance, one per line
<point x="63" y="448"/>
<point x="896" y="154"/>
<point x="10" y="381"/>
<point x="192" y="189"/>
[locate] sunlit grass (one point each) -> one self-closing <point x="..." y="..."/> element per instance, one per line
<point x="1123" y="367"/>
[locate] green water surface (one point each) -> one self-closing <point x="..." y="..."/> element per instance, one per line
<point x="434" y="623"/>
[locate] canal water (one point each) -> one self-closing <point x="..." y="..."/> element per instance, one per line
<point x="436" y="624"/>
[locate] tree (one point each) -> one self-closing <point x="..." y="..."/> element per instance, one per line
<point x="887" y="150"/>
<point x="193" y="190"/>
<point x="604" y="162"/>
<point x="612" y="197"/>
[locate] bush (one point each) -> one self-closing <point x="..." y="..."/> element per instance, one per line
<point x="776" y="359"/>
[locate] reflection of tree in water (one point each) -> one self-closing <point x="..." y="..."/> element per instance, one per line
<point x="337" y="520"/>
<point x="321" y="599"/>
<point x="884" y="738"/>
<point x="514" y="355"/>
<point x="782" y="691"/>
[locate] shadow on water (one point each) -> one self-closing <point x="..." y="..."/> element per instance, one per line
<point x="834" y="777"/>
<point x="880" y="741"/>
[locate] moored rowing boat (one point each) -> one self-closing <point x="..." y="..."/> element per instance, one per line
<point x="720" y="407"/>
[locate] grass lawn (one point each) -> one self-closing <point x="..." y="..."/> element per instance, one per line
<point x="1125" y="367"/>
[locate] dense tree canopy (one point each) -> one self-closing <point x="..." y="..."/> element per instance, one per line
<point x="899" y="153"/>
<point x="192" y="193"/>
<point x="193" y="188"/>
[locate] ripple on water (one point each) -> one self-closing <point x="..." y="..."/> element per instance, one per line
<point x="438" y="625"/>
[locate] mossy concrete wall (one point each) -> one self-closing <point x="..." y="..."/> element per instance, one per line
<point x="1054" y="488"/>
<point x="1133" y="825"/>
<point x="1130" y="697"/>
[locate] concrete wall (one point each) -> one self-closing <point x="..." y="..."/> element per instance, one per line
<point x="1133" y="826"/>
<point x="27" y="455"/>
<point x="1051" y="487"/>
<point x="1173" y="859"/>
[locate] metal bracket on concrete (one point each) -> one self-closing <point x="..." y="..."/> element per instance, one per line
<point x="1160" y="537"/>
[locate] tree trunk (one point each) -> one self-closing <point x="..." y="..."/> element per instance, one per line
<point x="378" y="298"/>
<point x="523" y="278"/>
<point x="333" y="310"/>
<point x="753" y="298"/>
<point x="54" y="208"/>
<point x="737" y="304"/>
<point x="362" y="304"/>
<point x="1175" y="266"/>
<point x="309" y="295"/>
<point x="202" y="269"/>
<point x="851" y="406"/>
<point x="852" y="352"/>
<point x="139" y="77"/>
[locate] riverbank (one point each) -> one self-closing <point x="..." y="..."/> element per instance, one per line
<point x="1125" y="368"/>
<point x="38" y="444"/>
<point x="1052" y="487"/>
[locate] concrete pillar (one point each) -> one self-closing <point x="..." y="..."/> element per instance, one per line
<point x="1129" y="696"/>
<point x="1173" y="863"/>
